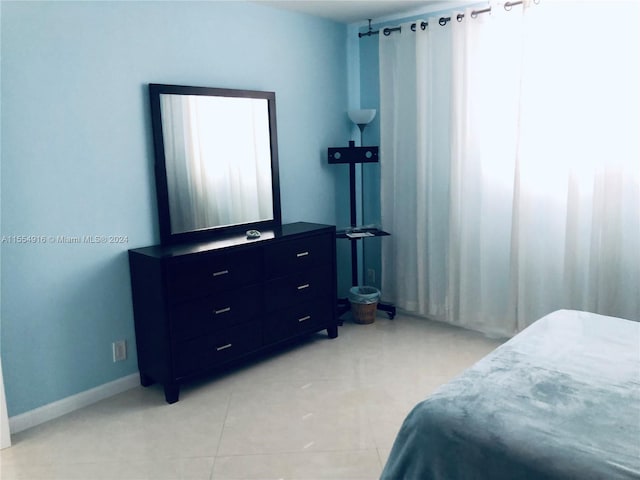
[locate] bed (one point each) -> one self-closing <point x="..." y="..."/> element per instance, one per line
<point x="560" y="400"/>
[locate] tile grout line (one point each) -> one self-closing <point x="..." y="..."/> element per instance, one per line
<point x="224" y="423"/>
<point x="296" y="452"/>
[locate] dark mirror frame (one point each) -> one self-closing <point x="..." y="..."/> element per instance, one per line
<point x="162" y="192"/>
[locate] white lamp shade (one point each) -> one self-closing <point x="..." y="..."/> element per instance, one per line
<point x="362" y="117"/>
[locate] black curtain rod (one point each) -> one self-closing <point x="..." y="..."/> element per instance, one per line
<point x="442" y="21"/>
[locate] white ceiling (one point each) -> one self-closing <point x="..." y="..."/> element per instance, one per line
<point x="356" y="11"/>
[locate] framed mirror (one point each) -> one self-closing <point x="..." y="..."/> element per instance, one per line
<point x="216" y="161"/>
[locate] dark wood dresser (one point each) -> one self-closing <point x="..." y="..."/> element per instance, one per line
<point x="199" y="306"/>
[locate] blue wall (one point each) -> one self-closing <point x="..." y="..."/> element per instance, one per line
<point x="77" y="158"/>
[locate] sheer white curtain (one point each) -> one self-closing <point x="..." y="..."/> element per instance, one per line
<point x="577" y="239"/>
<point x="414" y="112"/>
<point x="485" y="88"/>
<point x="540" y="166"/>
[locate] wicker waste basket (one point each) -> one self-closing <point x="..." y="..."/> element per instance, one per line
<point x="364" y="303"/>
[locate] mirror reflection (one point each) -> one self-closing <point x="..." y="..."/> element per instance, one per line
<point x="218" y="160"/>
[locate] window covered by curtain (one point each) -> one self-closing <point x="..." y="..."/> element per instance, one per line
<point x="510" y="164"/>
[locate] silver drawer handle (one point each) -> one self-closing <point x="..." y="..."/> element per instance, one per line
<point x="302" y="287"/>
<point x="302" y="254"/>
<point x="223" y="347"/>
<point x="221" y="272"/>
<point x="222" y="310"/>
<point x="304" y="319"/>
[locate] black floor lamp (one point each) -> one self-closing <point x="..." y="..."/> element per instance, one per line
<point x="353" y="155"/>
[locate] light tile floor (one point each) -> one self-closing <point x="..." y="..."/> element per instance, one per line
<point x="319" y="409"/>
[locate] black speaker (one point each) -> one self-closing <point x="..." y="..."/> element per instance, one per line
<point x="353" y="154"/>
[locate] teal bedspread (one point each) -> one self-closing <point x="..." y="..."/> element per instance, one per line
<point x="560" y="400"/>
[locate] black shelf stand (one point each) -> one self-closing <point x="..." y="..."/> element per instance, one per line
<point x="351" y="156"/>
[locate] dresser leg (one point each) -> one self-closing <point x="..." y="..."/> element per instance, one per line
<point x="332" y="331"/>
<point x="145" y="380"/>
<point x="171" y="392"/>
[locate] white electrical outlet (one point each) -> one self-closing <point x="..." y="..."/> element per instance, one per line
<point x="119" y="350"/>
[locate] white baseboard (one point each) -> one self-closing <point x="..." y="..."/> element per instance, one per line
<point x="5" y="436"/>
<point x="39" y="415"/>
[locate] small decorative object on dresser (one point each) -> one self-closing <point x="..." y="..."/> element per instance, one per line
<point x="199" y="306"/>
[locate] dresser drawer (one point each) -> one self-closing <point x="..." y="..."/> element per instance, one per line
<point x="203" y="274"/>
<point x="232" y="343"/>
<point x="286" y="291"/>
<point x="212" y="350"/>
<point x="303" y="318"/>
<point x="209" y="314"/>
<point x="294" y="255"/>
